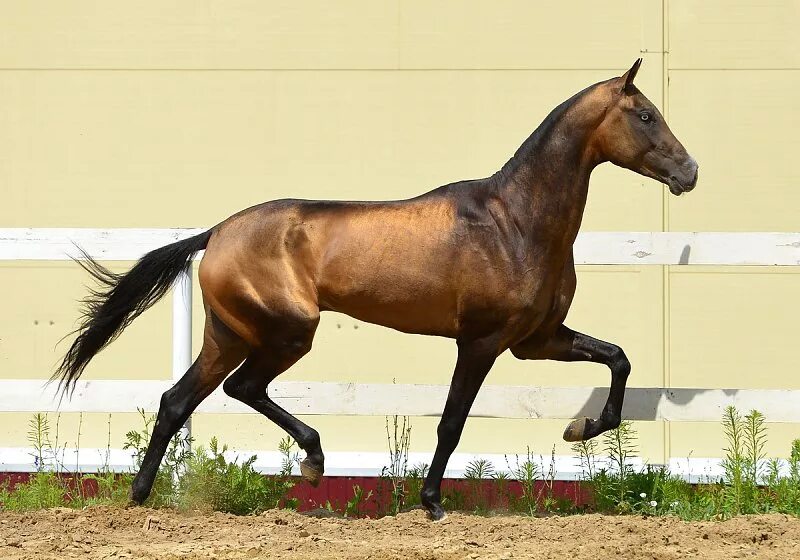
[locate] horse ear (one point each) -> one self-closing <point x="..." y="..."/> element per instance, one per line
<point x="628" y="77"/>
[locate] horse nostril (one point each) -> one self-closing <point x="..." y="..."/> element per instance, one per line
<point x="693" y="173"/>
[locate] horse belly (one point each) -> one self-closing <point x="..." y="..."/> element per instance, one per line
<point x="421" y="316"/>
<point x="409" y="303"/>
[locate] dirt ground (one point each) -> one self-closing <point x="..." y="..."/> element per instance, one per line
<point x="106" y="533"/>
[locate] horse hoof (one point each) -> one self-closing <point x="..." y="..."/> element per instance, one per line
<point x="310" y="473"/>
<point x="437" y="513"/>
<point x="136" y="498"/>
<point x="576" y="430"/>
<point x="133" y="502"/>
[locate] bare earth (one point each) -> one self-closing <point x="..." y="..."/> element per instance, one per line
<point x="141" y="533"/>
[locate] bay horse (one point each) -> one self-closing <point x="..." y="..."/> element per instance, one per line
<point x="486" y="262"/>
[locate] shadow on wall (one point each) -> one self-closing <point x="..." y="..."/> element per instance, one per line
<point x="684" y="258"/>
<point x="643" y="403"/>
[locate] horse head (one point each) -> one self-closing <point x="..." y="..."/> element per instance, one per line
<point x="634" y="134"/>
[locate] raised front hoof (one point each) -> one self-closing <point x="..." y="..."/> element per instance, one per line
<point x="577" y="430"/>
<point x="310" y="472"/>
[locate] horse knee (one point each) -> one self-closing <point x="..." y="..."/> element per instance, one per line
<point x="618" y="362"/>
<point x="449" y="432"/>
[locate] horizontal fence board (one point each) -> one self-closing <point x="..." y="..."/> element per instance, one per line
<point x="56" y="244"/>
<point x="374" y="399"/>
<point x="705" y="248"/>
<point x="623" y="248"/>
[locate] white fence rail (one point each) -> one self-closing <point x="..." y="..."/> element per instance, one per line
<point x="600" y="248"/>
<point x="659" y="248"/>
<point x="379" y="399"/>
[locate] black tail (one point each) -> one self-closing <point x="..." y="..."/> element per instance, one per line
<point x="120" y="299"/>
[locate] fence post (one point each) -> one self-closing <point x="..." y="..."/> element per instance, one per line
<point x="182" y="334"/>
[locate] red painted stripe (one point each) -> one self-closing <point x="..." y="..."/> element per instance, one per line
<point x="459" y="493"/>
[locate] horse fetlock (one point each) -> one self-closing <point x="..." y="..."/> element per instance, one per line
<point x="139" y="492"/>
<point x="430" y="497"/>
<point x="611" y="422"/>
<point x="311" y="443"/>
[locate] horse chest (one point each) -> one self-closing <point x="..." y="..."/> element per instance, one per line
<point x="532" y="297"/>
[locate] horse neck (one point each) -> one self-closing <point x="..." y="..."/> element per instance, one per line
<point x="546" y="183"/>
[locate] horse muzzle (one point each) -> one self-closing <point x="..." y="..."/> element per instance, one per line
<point x="684" y="179"/>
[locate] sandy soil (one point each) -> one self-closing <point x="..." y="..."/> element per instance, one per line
<point x="141" y="533"/>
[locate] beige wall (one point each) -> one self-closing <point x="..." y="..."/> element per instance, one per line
<point x="178" y="114"/>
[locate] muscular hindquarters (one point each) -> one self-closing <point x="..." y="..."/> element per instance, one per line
<point x="382" y="263"/>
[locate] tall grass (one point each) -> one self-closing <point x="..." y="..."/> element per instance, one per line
<point x="208" y="479"/>
<point x="394" y="476"/>
<point x="749" y="484"/>
<point x="187" y="478"/>
<point x="52" y="484"/>
<point x="526" y="473"/>
<point x="213" y="483"/>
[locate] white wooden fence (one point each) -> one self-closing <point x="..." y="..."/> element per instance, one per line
<point x="601" y="248"/>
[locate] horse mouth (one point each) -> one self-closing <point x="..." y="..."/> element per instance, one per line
<point x="676" y="185"/>
<point x="677" y="188"/>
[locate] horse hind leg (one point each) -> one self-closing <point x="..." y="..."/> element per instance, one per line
<point x="222" y="351"/>
<point x="249" y="385"/>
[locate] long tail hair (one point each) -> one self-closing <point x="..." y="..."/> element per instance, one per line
<point x="121" y="298"/>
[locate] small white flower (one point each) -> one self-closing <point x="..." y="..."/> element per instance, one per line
<point x="674" y="504"/>
<point x="653" y="503"/>
<point x="642" y="495"/>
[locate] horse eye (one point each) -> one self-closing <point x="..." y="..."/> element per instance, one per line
<point x="645" y="117"/>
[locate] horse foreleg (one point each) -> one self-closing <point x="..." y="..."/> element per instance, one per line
<point x="567" y="345"/>
<point x="474" y="362"/>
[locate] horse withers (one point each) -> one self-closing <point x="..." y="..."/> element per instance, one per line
<point x="487" y="262"/>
